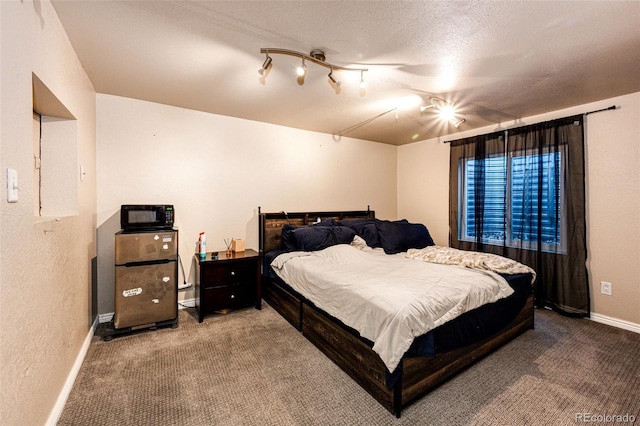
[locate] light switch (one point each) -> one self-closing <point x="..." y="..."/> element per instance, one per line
<point x="12" y="185"/>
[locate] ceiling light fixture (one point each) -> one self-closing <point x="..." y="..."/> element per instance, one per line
<point x="333" y="79"/>
<point x="302" y="69"/>
<point x="457" y="123"/>
<point x="445" y="111"/>
<point x="266" y="64"/>
<point x="316" y="56"/>
<point x="426" y="107"/>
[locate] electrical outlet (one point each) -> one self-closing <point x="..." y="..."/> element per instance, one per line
<point x="605" y="288"/>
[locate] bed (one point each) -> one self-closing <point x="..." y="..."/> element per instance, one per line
<point x="432" y="357"/>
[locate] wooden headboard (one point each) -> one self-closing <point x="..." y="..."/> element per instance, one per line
<point x="271" y="224"/>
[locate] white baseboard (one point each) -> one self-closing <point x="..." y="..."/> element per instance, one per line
<point x="54" y="416"/>
<point x="615" y="322"/>
<point x="187" y="303"/>
<point x="105" y="317"/>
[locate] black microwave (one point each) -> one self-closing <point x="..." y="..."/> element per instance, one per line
<point x="146" y="216"/>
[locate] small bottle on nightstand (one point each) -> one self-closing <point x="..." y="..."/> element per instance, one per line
<point x="203" y="245"/>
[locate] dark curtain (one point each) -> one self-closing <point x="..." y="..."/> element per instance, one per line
<point x="543" y="213"/>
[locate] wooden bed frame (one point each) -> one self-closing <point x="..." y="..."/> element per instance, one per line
<point x="348" y="350"/>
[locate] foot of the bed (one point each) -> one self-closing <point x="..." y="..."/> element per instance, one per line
<point x="397" y="397"/>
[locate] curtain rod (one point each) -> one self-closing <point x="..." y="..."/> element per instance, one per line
<point x="600" y="110"/>
<point x="586" y="113"/>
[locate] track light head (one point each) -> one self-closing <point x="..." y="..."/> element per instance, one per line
<point x="301" y="71"/>
<point x="333" y="79"/>
<point x="457" y="123"/>
<point x="445" y="111"/>
<point x="265" y="65"/>
<point x="363" y="84"/>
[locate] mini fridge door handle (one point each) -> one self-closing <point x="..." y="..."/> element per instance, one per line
<point x="153" y="262"/>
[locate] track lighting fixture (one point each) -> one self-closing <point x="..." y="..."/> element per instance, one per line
<point x="444" y="109"/>
<point x="457" y="123"/>
<point x="333" y="79"/>
<point x="266" y="64"/>
<point x="302" y="69"/>
<point x="435" y="103"/>
<point x="316" y="56"/>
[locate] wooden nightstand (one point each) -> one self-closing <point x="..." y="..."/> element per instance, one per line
<point x="227" y="282"/>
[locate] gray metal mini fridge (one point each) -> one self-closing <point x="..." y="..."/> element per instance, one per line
<point x="146" y="288"/>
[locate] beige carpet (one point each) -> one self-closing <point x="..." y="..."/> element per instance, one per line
<point x="253" y="368"/>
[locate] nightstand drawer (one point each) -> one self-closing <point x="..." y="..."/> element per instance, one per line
<point x="226" y="297"/>
<point x="222" y="275"/>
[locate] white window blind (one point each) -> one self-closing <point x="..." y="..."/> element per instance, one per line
<point x="515" y="190"/>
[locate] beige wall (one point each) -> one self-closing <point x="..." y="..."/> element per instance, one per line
<point x="613" y="200"/>
<point x="45" y="263"/>
<point x="217" y="170"/>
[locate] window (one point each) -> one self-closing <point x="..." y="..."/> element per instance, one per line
<point x="518" y="189"/>
<point x="531" y="181"/>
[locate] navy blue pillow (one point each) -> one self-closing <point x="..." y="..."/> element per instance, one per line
<point x="356" y="224"/>
<point x="399" y="236"/>
<point x="317" y="237"/>
<point x="343" y="235"/>
<point x="365" y="228"/>
<point x="370" y="234"/>
<point x="288" y="240"/>
<point x="326" y="222"/>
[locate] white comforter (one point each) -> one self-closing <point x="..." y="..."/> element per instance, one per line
<point x="388" y="299"/>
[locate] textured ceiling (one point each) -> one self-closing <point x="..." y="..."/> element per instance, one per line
<point x="495" y="61"/>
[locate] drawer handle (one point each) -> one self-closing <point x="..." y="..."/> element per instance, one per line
<point x="233" y="296"/>
<point x="233" y="273"/>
